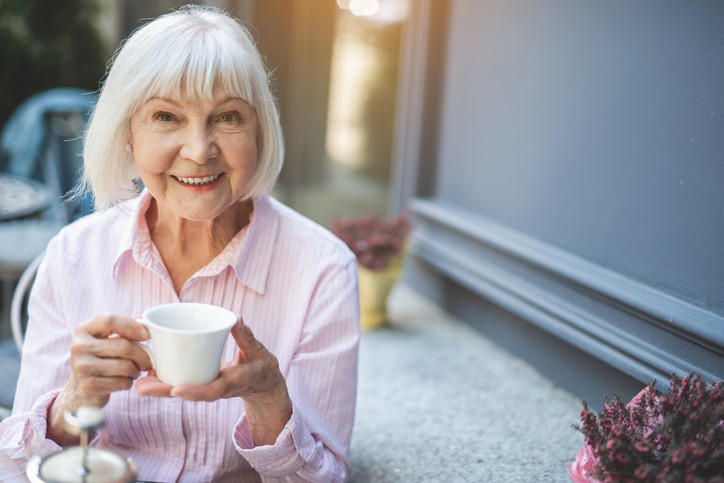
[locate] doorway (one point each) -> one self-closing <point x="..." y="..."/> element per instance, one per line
<point x="335" y="66"/>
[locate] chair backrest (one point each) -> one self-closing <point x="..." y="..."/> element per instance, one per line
<point x="42" y="140"/>
<point x="18" y="306"/>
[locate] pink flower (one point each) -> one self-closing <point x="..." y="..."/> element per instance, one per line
<point x="642" y="472"/>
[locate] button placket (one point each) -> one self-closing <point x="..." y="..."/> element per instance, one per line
<point x="179" y="440"/>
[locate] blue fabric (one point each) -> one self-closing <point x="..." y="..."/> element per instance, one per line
<point x="32" y="148"/>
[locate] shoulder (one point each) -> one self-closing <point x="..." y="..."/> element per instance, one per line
<point x="299" y="233"/>
<point x="104" y="231"/>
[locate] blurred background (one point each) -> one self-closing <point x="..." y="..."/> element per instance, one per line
<point x="562" y="160"/>
<point x="334" y="65"/>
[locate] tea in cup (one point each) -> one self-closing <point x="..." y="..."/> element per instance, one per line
<point x="188" y="339"/>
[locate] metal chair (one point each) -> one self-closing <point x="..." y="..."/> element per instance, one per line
<point x="11" y="349"/>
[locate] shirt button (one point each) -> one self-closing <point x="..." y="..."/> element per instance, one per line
<point x="176" y="451"/>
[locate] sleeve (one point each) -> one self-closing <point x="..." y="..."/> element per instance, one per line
<point x="322" y="382"/>
<point x="44" y="370"/>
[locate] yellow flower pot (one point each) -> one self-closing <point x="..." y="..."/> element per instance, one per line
<point x="374" y="289"/>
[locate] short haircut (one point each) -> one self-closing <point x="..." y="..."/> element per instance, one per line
<point x="187" y="51"/>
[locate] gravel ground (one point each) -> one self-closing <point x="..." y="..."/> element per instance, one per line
<point x="438" y="402"/>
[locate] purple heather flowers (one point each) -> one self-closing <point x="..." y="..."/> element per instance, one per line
<point x="375" y="242"/>
<point x="677" y="437"/>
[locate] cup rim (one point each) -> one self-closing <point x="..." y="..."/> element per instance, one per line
<point x="233" y="318"/>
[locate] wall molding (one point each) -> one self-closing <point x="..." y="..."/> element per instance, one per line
<point x="641" y="331"/>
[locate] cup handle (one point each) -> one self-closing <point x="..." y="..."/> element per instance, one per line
<point x="148" y="351"/>
<point x="150" y="354"/>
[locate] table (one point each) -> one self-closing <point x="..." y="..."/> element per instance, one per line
<point x="21" y="197"/>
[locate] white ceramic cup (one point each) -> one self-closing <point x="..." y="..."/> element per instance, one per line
<point x="188" y="339"/>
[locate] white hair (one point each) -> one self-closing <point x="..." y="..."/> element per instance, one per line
<point x="185" y="52"/>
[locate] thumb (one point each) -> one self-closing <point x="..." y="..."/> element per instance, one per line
<point x="244" y="338"/>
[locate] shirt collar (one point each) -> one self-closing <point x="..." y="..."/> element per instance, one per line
<point x="135" y="243"/>
<point x="249" y="253"/>
<point x="253" y="259"/>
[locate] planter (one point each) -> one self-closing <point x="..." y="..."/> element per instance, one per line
<point x="374" y="289"/>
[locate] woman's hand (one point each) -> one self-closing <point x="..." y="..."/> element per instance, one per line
<point x="104" y="357"/>
<point x="253" y="375"/>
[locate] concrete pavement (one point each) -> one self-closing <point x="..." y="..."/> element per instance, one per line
<point x="438" y="402"/>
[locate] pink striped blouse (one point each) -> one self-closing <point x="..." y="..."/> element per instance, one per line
<point x="294" y="284"/>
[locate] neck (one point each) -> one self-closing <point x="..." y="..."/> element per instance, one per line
<point x="186" y="246"/>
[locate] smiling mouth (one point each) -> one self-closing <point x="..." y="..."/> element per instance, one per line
<point x="197" y="181"/>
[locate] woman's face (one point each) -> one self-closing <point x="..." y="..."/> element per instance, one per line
<point x="195" y="156"/>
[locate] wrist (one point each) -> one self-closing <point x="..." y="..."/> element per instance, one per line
<point x="56" y="425"/>
<point x="275" y="403"/>
<point x="268" y="416"/>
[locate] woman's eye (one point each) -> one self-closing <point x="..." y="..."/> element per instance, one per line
<point x="164" y="116"/>
<point x="228" y="117"/>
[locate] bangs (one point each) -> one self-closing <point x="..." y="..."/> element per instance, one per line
<point x="206" y="63"/>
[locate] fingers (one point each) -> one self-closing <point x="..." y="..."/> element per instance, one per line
<point x="90" y="366"/>
<point x="112" y="337"/>
<point x="234" y="380"/>
<point x="216" y="389"/>
<point x="104" y="326"/>
<point x="113" y="348"/>
<point x="254" y="380"/>
<point x="103" y="386"/>
<point x="106" y="357"/>
<point x="151" y="385"/>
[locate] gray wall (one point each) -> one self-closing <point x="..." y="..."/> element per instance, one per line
<point x="579" y="180"/>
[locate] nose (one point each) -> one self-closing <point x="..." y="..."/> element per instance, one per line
<point x="199" y="144"/>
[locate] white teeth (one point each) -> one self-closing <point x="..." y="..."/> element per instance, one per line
<point x="198" y="181"/>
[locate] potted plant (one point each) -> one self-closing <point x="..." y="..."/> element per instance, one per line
<point x="677" y="437"/>
<point x="379" y="246"/>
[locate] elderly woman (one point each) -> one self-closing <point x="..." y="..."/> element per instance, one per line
<point x="186" y="108"/>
